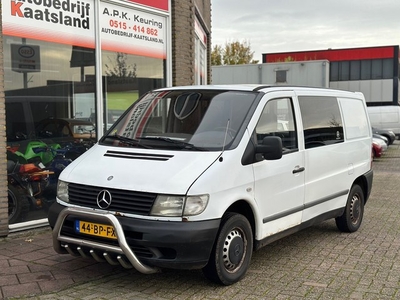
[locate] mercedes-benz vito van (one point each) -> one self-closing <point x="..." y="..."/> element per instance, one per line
<point x="201" y="176"/>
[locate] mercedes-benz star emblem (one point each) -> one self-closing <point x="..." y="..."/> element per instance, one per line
<point x="104" y="199"/>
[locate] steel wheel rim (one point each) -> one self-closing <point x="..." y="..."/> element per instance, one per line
<point x="355" y="209"/>
<point x="235" y="246"/>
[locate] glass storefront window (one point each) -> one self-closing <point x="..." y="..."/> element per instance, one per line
<point x="54" y="92"/>
<point x="133" y="44"/>
<point x="49" y="66"/>
<point x="47" y="120"/>
<point x="126" y="77"/>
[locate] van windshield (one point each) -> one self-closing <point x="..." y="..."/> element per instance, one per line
<point x="197" y="120"/>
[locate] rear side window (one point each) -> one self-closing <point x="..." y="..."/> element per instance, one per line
<point x="322" y="121"/>
<point x="355" y="118"/>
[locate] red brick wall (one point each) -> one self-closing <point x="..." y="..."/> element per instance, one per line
<point x="183" y="37"/>
<point x="3" y="158"/>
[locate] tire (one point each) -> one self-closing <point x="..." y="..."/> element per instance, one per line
<point x="390" y="141"/>
<point x="352" y="217"/>
<point x="18" y="205"/>
<point x="231" y="254"/>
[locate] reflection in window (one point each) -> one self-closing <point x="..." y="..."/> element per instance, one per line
<point x="171" y="120"/>
<point x="200" y="54"/>
<point x="127" y="77"/>
<point x="277" y="119"/>
<point x="356" y="124"/>
<point x="41" y="107"/>
<point x="322" y="121"/>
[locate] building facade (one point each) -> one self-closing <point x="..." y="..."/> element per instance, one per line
<point x="69" y="69"/>
<point x="374" y="71"/>
<point x="312" y="73"/>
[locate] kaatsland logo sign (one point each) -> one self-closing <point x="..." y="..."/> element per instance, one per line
<point x="62" y="21"/>
<point x="71" y="22"/>
<point x="53" y="11"/>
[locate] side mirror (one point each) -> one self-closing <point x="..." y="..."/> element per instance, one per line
<point x="271" y="148"/>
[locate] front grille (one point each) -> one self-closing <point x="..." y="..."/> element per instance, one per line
<point x="122" y="200"/>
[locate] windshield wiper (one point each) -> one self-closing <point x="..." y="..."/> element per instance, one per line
<point x="180" y="144"/>
<point x="128" y="141"/>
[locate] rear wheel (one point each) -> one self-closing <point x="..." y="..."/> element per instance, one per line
<point x="352" y="217"/>
<point x="17" y="204"/>
<point x="231" y="254"/>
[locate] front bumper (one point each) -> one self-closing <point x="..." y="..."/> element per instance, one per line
<point x="143" y="244"/>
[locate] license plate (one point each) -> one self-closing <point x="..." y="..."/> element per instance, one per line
<point x="95" y="229"/>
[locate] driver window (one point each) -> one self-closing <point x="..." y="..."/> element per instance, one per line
<point x="277" y="119"/>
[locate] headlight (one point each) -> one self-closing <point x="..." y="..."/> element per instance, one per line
<point x="176" y="206"/>
<point x="62" y="191"/>
<point x="195" y="205"/>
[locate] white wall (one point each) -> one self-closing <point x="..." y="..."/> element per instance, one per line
<point x="373" y="90"/>
<point x="235" y="74"/>
<point x="307" y="73"/>
<point x="302" y="73"/>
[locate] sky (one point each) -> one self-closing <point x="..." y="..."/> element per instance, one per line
<point x="270" y="26"/>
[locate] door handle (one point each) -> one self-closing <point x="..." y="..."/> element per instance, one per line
<point x="298" y="169"/>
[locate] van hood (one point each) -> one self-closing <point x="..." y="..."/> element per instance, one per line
<point x="167" y="172"/>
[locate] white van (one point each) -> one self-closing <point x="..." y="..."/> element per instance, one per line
<point x="385" y="117"/>
<point x="199" y="177"/>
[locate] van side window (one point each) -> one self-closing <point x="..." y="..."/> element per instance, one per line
<point x="277" y="119"/>
<point x="356" y="124"/>
<point x="322" y="121"/>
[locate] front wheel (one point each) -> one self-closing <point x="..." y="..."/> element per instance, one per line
<point x="352" y="217"/>
<point x="231" y="254"/>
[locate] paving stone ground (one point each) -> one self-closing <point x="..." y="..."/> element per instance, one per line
<point x="317" y="263"/>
